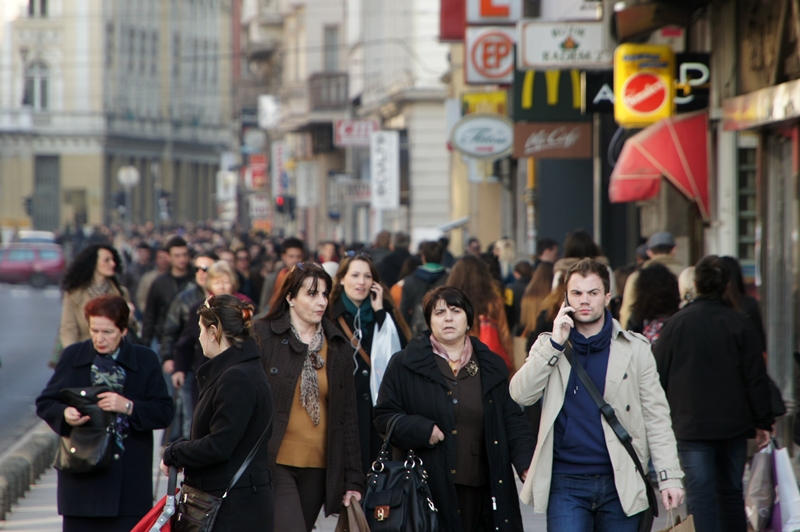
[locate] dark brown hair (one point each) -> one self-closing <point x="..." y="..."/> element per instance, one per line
<point x="535" y="293"/>
<point x="232" y="317"/>
<point x="471" y="275"/>
<point x="293" y="282"/>
<point x="587" y="267"/>
<point x="453" y="297"/>
<point x="109" y="306"/>
<point x="660" y="286"/>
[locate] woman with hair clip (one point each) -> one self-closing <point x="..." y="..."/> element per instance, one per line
<point x="314" y="451"/>
<point x="363" y="310"/>
<point x="233" y="412"/>
<point x="93" y="273"/>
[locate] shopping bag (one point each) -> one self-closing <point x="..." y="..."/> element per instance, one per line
<point x="490" y="336"/>
<point x="679" y="525"/>
<point x="385" y="343"/>
<point x="352" y="518"/>
<point x="759" y="496"/>
<point x="159" y="518"/>
<point x="788" y="492"/>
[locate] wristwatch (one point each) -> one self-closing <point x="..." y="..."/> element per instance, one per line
<point x="128" y="406"/>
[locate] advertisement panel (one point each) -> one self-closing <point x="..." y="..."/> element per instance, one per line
<point x="551" y="96"/>
<point x="493" y="11"/>
<point x="490" y="55"/>
<point x="280" y="179"/>
<point x="385" y="170"/>
<point x="547" y="45"/>
<point x="644" y="84"/>
<point x="494" y="102"/>
<point x="452" y="20"/>
<point x="350" y="132"/>
<point x="556" y="140"/>
<point x="483" y="136"/>
<point x="571" y="10"/>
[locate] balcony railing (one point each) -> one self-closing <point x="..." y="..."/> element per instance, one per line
<point x="327" y="91"/>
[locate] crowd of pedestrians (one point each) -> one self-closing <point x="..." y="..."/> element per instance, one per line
<point x="668" y="347"/>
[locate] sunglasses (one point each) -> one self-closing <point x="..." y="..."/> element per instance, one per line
<point x="203" y="268"/>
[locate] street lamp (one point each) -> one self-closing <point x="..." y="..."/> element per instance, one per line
<point x="128" y="177"/>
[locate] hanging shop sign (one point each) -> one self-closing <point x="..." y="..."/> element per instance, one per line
<point x="493" y="11"/>
<point x="452" y="20"/>
<point x="547" y="45"/>
<point x="693" y="73"/>
<point x="490" y="55"/>
<point x="550" y="96"/>
<point x="354" y="133"/>
<point x="553" y="140"/>
<point x="571" y="9"/>
<point x="494" y="102"/>
<point x="483" y="136"/>
<point x="385" y="170"/>
<point x="644" y="84"/>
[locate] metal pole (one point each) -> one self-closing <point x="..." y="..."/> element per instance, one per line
<point x="531" y="206"/>
<point x="128" y="209"/>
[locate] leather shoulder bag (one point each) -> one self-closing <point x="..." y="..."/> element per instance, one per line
<point x="197" y="510"/>
<point x="89" y="447"/>
<point x="647" y="517"/>
<point x="398" y="498"/>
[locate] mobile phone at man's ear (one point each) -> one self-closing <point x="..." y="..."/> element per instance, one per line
<point x="566" y="302"/>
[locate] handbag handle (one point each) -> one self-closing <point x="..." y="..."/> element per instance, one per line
<point x="383" y="454"/>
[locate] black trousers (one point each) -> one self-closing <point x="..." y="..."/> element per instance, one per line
<point x="299" y="495"/>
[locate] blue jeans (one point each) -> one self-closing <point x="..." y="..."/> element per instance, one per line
<point x="587" y="503"/>
<point x="714" y="470"/>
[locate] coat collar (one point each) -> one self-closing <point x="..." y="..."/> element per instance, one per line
<point x="419" y="357"/>
<point x="282" y="326"/>
<point x="210" y="371"/>
<point x="126" y="358"/>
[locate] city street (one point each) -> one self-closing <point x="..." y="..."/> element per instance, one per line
<point x="28" y="326"/>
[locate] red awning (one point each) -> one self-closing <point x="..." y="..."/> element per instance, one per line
<point x="676" y="148"/>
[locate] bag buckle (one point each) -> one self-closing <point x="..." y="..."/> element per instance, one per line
<point x="381" y="513"/>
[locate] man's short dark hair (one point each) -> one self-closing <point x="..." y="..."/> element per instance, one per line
<point x="401" y="241"/>
<point x="473" y="240"/>
<point x="711" y="277"/>
<point x="431" y="251"/>
<point x="453" y="297"/>
<point x="587" y="267"/>
<point x="292" y="242"/>
<point x="208" y="255"/>
<point x="175" y="242"/>
<point x="544" y="244"/>
<point x="524" y="269"/>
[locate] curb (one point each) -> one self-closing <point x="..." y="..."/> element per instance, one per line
<point x="23" y="464"/>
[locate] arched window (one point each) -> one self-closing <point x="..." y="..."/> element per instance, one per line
<point x="37" y="86"/>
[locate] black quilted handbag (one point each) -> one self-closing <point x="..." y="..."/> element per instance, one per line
<point x="398" y="498"/>
<point x="89" y="447"/>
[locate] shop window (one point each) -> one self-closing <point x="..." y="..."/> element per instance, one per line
<point x="747" y="206"/>
<point x="37" y="8"/>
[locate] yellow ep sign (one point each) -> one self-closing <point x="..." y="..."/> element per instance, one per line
<point x="644" y="84"/>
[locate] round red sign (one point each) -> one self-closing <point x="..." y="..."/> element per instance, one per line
<point x="644" y="93"/>
<point x="492" y="55"/>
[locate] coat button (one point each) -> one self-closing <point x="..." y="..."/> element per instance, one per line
<point x="500" y="481"/>
<point x="255" y="489"/>
<point x="449" y="393"/>
<point x="285" y="341"/>
<point x="452" y="471"/>
<point x="454" y="432"/>
<point x="455" y="401"/>
<point x="116" y="457"/>
<point x="455" y="383"/>
<point x="366" y="396"/>
<point x="628" y="408"/>
<point x="625" y="376"/>
<point x="273" y="371"/>
<point x="365" y="372"/>
<point x="495" y="442"/>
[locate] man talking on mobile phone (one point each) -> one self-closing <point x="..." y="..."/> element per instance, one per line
<point x="587" y="472"/>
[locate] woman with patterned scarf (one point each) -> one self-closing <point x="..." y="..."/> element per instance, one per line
<point x="314" y="448"/>
<point x="113" y="499"/>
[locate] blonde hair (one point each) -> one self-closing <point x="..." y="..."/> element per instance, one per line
<point x="220" y="268"/>
<point x="686" y="286"/>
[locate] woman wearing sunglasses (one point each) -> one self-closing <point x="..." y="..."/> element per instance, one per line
<point x="314" y="449"/>
<point x="363" y="310"/>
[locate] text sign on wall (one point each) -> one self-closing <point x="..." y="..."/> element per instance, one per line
<point x="354" y="133"/>
<point x="490" y="55"/>
<point x="548" y="45"/>
<point x="644" y="84"/>
<point x="385" y="170"/>
<point x="280" y="179"/>
<point x="571" y="9"/>
<point x="494" y="11"/>
<point x="483" y="136"/>
<point x="555" y="140"/>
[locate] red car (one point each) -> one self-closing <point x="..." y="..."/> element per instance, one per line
<point x="36" y="264"/>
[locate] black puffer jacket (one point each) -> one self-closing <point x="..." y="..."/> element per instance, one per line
<point x="414" y="385"/>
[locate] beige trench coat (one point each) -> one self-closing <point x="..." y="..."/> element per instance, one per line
<point x="74" y="327"/>
<point x="632" y="389"/>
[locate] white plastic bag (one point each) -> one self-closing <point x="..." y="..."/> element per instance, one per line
<point x="385" y="343"/>
<point x="788" y="492"/>
<point x="759" y="496"/>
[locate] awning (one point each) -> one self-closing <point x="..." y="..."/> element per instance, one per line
<point x="676" y="148"/>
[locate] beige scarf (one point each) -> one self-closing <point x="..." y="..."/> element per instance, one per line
<point x="455" y="365"/>
<point x="309" y="385"/>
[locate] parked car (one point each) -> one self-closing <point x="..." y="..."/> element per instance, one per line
<point x="35" y="237"/>
<point x="36" y="264"/>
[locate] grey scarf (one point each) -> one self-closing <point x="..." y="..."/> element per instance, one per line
<point x="309" y="385"/>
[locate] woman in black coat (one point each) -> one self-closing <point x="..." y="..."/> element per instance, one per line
<point x="114" y="499"/>
<point x="467" y="433"/>
<point x="360" y="303"/>
<point x="233" y="411"/>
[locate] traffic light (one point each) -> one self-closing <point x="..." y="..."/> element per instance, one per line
<point x="280" y="204"/>
<point x="28" y="202"/>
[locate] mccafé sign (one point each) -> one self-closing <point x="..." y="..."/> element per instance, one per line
<point x="556" y="140"/>
<point x="644" y="84"/>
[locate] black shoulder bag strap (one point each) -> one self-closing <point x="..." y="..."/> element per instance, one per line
<point x="249" y="458"/>
<point x="608" y="412"/>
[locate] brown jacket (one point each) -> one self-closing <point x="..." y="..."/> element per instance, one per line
<point x="283" y="356"/>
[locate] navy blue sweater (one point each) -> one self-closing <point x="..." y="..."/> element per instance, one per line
<point x="580" y="444"/>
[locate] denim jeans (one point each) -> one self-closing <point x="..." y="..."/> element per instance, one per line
<point x="587" y="503"/>
<point x="714" y="470"/>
